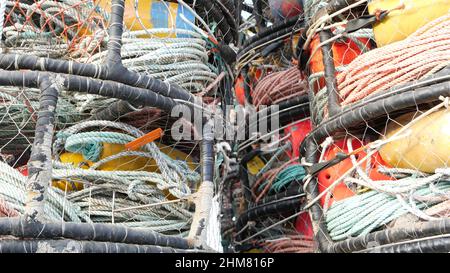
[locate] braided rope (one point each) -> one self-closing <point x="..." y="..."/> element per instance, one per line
<point x="279" y="86"/>
<point x="361" y="214"/>
<point x="173" y="175"/>
<point x="181" y="60"/>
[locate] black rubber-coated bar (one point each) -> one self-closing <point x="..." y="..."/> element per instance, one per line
<point x="271" y="29"/>
<point x="239" y="7"/>
<point x="222" y="23"/>
<point x="73" y="246"/>
<point x="115" y="32"/>
<point x="434" y="245"/>
<point x="113" y="233"/>
<point x="115" y="73"/>
<point x="257" y="12"/>
<point x="229" y="17"/>
<point x="247" y="87"/>
<point x="391" y="236"/>
<point x="265" y="39"/>
<point x="207" y="157"/>
<point x="136" y="96"/>
<point x="40" y="162"/>
<point x="294" y="114"/>
<point x="287" y="104"/>
<point x="290" y="205"/>
<point x="330" y="73"/>
<point x="294" y="188"/>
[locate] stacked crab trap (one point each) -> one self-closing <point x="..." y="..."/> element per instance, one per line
<point x="88" y="90"/>
<point x="251" y="126"/>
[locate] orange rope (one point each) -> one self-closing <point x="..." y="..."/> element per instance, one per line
<point x="279" y="86"/>
<point x="291" y="244"/>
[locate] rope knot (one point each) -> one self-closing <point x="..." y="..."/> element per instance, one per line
<point x="131" y="190"/>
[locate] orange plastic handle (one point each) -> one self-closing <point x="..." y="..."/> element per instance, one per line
<point x="145" y="139"/>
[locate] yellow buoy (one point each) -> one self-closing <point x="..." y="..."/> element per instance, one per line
<point x="400" y="23"/>
<point x="425" y="148"/>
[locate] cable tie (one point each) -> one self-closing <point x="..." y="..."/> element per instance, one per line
<point x="145" y="139"/>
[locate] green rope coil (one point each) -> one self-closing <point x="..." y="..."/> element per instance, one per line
<point x="90" y="145"/>
<point x="285" y="177"/>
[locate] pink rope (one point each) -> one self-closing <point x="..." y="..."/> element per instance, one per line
<point x="419" y="55"/>
<point x="279" y="86"/>
<point x="6" y="210"/>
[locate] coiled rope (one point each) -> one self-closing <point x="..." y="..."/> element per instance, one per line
<point x="279" y="86"/>
<point x="319" y="102"/>
<point x="421" y="54"/>
<point x="130" y="197"/>
<point x="290" y="244"/>
<point x="12" y="198"/>
<point x="285" y="177"/>
<point x="361" y="214"/>
<point x="173" y="172"/>
<point x="182" y="60"/>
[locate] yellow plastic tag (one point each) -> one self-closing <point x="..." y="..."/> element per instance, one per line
<point x="255" y="165"/>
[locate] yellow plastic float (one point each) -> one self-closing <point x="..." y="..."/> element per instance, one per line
<point x="126" y="163"/>
<point x="400" y="23"/>
<point x="427" y="146"/>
